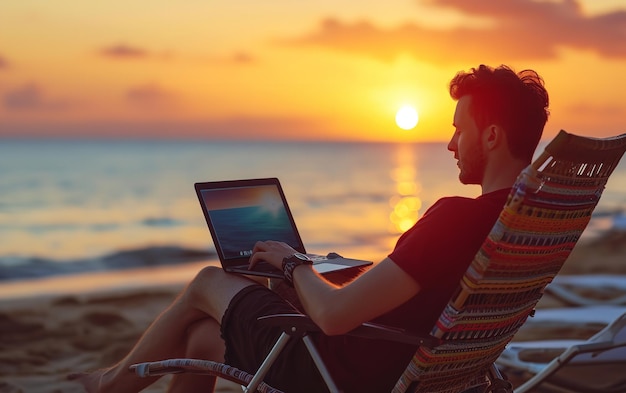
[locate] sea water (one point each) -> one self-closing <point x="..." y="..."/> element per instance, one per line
<point x="70" y="206"/>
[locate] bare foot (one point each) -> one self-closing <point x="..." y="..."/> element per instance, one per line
<point x="90" y="381"/>
<point x="114" y="379"/>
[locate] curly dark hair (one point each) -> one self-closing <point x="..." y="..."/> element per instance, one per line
<point x="517" y="102"/>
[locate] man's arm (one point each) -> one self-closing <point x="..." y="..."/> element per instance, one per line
<point x="337" y="310"/>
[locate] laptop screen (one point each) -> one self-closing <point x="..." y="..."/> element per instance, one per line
<point x="240" y="213"/>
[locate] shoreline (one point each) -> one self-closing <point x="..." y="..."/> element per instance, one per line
<point x="602" y="254"/>
<point x="113" y="280"/>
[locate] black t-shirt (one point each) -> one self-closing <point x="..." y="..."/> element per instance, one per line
<point x="435" y="252"/>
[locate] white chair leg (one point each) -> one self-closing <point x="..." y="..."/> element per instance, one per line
<point x="267" y="363"/>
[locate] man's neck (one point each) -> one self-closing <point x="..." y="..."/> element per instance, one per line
<point x="502" y="175"/>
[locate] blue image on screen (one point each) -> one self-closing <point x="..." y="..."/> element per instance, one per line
<point x="238" y="229"/>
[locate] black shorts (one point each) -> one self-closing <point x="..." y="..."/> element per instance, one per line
<point x="248" y="342"/>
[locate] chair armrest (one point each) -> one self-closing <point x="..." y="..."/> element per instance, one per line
<point x="300" y="324"/>
<point x="292" y="324"/>
<point x="390" y="333"/>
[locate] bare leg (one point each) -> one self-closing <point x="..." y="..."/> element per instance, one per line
<point x="208" y="295"/>
<point x="201" y="344"/>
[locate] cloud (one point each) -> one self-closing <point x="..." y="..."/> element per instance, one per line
<point x="149" y="95"/>
<point x="242" y="58"/>
<point x="4" y="64"/>
<point x="595" y="111"/>
<point x="237" y="58"/>
<point x="123" y="51"/>
<point x="30" y="97"/>
<point x="518" y="29"/>
<point x="129" y="52"/>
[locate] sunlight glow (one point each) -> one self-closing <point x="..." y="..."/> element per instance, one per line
<point x="407" y="117"/>
<point x="406" y="203"/>
<point x="271" y="203"/>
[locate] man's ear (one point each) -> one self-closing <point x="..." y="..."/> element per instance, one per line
<point x="493" y="136"/>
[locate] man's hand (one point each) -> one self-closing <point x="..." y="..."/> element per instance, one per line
<point x="272" y="252"/>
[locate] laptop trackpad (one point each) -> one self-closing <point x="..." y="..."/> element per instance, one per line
<point x="326" y="267"/>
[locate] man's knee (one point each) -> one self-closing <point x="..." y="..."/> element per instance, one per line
<point x="204" y="279"/>
<point x="212" y="290"/>
<point x="207" y="274"/>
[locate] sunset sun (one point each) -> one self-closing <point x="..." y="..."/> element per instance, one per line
<point x="407" y="117"/>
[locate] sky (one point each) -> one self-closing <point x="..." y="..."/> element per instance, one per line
<point x="302" y="70"/>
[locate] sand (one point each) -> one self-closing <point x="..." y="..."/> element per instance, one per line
<point x="45" y="337"/>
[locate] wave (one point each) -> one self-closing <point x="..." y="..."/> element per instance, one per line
<point x="12" y="268"/>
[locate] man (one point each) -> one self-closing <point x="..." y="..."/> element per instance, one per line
<point x="498" y="122"/>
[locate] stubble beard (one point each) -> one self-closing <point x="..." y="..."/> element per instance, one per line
<point x="473" y="167"/>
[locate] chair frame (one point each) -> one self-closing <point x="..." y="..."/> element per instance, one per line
<point x="469" y="336"/>
<point x="601" y="342"/>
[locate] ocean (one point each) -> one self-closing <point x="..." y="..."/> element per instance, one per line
<point x="80" y="206"/>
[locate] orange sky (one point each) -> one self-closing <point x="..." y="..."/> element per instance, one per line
<point x="325" y="69"/>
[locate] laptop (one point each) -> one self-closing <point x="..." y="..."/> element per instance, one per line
<point x="241" y="212"/>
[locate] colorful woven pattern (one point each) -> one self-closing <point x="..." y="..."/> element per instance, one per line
<point x="546" y="212"/>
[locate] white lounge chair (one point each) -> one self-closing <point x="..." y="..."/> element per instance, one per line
<point x="575" y="290"/>
<point x="596" y="365"/>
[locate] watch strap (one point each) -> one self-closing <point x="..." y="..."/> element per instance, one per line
<point x="289" y="264"/>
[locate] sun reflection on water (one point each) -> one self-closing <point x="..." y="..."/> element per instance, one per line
<point x="406" y="203"/>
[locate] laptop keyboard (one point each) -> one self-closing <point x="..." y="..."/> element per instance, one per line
<point x="263" y="266"/>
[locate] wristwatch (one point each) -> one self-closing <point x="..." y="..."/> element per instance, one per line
<point x="290" y="263"/>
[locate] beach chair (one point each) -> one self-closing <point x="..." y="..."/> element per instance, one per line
<point x="546" y="212"/>
<point x="595" y="365"/>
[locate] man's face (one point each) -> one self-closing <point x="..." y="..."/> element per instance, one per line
<point x="466" y="144"/>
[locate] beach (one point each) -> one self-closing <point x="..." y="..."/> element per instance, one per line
<point x="45" y="337"/>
